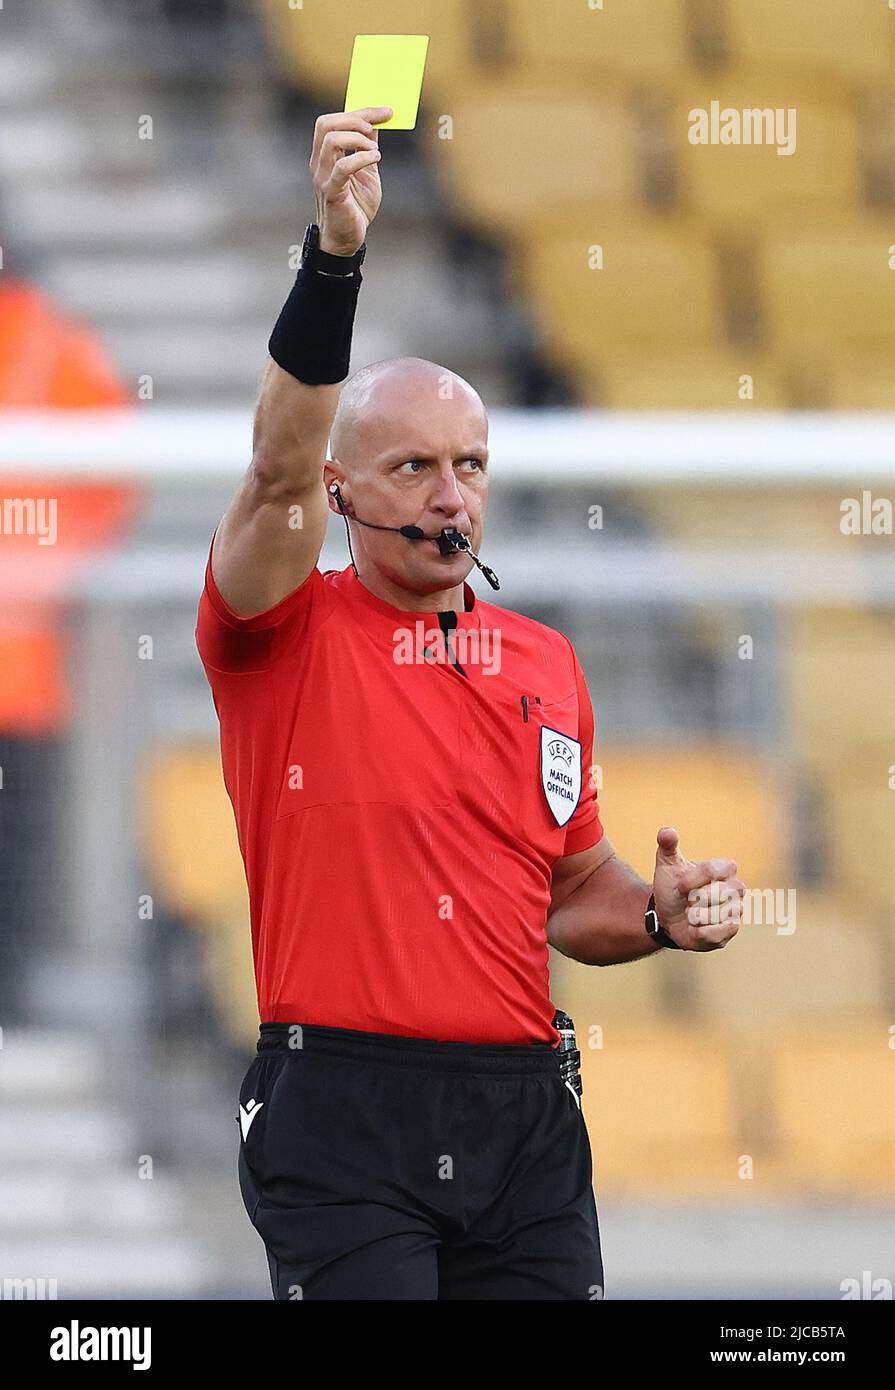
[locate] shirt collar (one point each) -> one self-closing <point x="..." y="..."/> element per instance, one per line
<point x="356" y="590"/>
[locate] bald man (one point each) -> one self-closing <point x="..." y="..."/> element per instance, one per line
<point x="411" y="774"/>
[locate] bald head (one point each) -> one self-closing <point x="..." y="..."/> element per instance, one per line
<point x="409" y="448"/>
<point x="381" y="399"/>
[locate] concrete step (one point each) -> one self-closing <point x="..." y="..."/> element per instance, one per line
<point x="100" y="1202"/>
<point x="63" y="1137"/>
<point x="120" y="218"/>
<point x="35" y="145"/>
<point x="215" y="363"/>
<point x="29" y="72"/>
<point x="186" y="288"/>
<point x="48" y="1066"/>
<point x="113" y="1267"/>
<point x="204" y="288"/>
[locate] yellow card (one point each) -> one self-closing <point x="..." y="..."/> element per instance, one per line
<point x="387" y="70"/>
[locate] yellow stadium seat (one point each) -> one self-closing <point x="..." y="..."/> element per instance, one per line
<point x="862" y="822"/>
<point x="313" y="43"/>
<point x="188" y="831"/>
<point x="721" y="799"/>
<point x="828" y="286"/>
<point x="833" y="1095"/>
<point x="804" y="950"/>
<point x="729" y="182"/>
<point x="851" y="41"/>
<point x="229" y="970"/>
<point x="643" y="41"/>
<point x="681" y="380"/>
<point x="518" y="149"/>
<point x="191" y="848"/>
<point x="839" y="662"/>
<point x="862" y="382"/>
<point x="660" y="1105"/>
<point x="753" y="516"/>
<point x="658" y="286"/>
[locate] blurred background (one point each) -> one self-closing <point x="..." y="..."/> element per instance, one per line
<point x="688" y="353"/>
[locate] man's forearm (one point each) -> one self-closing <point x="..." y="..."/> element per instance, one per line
<point x="292" y="426"/>
<point x="601" y="922"/>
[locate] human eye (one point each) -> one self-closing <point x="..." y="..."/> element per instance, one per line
<point x="408" y="465"/>
<point x="478" y="464"/>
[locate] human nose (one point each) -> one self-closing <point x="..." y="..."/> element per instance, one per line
<point x="447" y="496"/>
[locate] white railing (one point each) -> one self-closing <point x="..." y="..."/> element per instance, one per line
<point x="562" y="446"/>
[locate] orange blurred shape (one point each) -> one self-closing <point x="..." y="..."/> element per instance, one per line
<point x="34" y="697"/>
<point x="47" y="361"/>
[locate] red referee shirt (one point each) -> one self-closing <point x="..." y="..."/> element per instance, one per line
<point x="399" y="818"/>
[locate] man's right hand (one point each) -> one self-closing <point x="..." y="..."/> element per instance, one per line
<point x="344" y="167"/>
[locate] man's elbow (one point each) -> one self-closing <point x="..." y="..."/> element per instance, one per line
<point x="569" y="942"/>
<point x="269" y="482"/>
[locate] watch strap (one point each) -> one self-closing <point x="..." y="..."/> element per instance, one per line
<point x="654" y="930"/>
<point x="324" y="261"/>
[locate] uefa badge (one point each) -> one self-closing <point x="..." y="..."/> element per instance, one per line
<point x="560" y="773"/>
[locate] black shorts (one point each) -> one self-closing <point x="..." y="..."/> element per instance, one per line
<point x="382" y="1167"/>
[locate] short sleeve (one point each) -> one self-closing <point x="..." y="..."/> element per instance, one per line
<point x="584" y="830"/>
<point x="230" y="642"/>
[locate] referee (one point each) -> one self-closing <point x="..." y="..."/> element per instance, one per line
<point x="410" y="772"/>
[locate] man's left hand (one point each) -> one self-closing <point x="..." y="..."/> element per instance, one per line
<point x="698" y="904"/>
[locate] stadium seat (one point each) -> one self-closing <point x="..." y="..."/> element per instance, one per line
<point x="659" y="284"/>
<point x="833" y="1096"/>
<point x="828" y="286"/>
<point x="862" y="823"/>
<point x="753" y="516"/>
<point x="313" y="44"/>
<point x="644" y="41"/>
<point x="827" y="39"/>
<point x="680" y="381"/>
<point x="190" y="847"/>
<point x="729" y="182"/>
<point x="721" y="799"/>
<point x="189" y="834"/>
<point x="839" y="664"/>
<point x="861" y="381"/>
<point x="660" y="1105"/>
<point x="230" y="971"/>
<point x="805" y="950"/>
<point x="519" y="149"/>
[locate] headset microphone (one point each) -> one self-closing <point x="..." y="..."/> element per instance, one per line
<point x="449" y="540"/>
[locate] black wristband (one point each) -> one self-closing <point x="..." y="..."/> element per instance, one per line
<point x="311" y="339"/>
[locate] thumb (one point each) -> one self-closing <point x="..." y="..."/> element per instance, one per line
<point x="667" y="841"/>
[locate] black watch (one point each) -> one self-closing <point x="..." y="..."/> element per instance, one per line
<point x="651" y="922"/>
<point x="324" y="261"/>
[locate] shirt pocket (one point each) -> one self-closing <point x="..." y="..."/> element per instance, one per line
<point x="511" y="739"/>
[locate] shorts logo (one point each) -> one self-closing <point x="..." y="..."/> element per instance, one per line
<point x="560" y="773"/>
<point x="247" y="1114"/>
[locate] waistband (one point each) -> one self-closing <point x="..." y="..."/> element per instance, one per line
<point x="392" y="1049"/>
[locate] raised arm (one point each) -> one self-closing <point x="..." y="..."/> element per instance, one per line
<point x="270" y="537"/>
